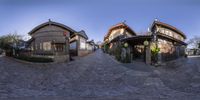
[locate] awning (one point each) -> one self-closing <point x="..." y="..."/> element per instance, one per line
<point x="59" y="41"/>
<point x="137" y="40"/>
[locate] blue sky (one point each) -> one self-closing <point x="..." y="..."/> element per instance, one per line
<point x="96" y="16"/>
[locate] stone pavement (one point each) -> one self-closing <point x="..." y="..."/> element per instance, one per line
<point x="98" y="76"/>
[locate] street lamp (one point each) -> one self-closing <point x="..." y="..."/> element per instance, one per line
<point x="146" y="43"/>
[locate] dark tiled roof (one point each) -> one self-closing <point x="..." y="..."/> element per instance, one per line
<point x="30" y="40"/>
<point x="52" y="23"/>
<point x="83" y="34"/>
<point x="119" y="25"/>
<point x="91" y="41"/>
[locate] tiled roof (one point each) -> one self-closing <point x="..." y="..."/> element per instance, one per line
<point x="119" y="25"/>
<point x="52" y="23"/>
<point x="83" y="34"/>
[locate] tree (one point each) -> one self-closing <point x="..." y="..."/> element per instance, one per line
<point x="9" y="42"/>
<point x="194" y="42"/>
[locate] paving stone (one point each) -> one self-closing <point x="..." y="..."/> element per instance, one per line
<point x="99" y="76"/>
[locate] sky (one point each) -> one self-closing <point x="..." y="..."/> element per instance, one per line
<point x="97" y="16"/>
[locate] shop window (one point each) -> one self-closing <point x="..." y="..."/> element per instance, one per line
<point x="40" y="46"/>
<point x="59" y="47"/>
<point x="73" y="45"/>
<point x="46" y="46"/>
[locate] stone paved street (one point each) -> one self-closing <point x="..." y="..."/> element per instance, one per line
<point x="98" y="76"/>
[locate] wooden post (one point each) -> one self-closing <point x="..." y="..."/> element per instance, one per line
<point x="148" y="54"/>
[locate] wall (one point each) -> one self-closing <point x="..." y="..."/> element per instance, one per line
<point x="82" y="46"/>
<point x="170" y="51"/>
<point x="115" y="33"/>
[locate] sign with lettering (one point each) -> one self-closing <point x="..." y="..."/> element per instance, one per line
<point x="65" y="33"/>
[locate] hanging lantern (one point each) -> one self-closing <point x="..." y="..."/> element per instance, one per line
<point x="126" y="45"/>
<point x="146" y="43"/>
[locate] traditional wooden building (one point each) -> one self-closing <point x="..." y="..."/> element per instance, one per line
<point x="78" y="44"/>
<point x="115" y="33"/>
<point x="51" y="39"/>
<point x="90" y="46"/>
<point x="169" y="39"/>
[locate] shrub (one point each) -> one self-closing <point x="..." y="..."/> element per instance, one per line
<point x="34" y="59"/>
<point x="118" y="51"/>
<point x="154" y="51"/>
<point x="106" y="47"/>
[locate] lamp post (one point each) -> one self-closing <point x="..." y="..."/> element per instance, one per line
<point x="126" y="52"/>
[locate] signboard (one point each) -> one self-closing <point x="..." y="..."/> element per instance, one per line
<point x="65" y="33"/>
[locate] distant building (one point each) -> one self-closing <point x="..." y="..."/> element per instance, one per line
<point x="192" y="52"/>
<point x="91" y="46"/>
<point x="78" y="44"/>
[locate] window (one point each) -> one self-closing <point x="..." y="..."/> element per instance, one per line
<point x="114" y="34"/>
<point x="46" y="46"/>
<point x="73" y="45"/>
<point x="179" y="37"/>
<point x="170" y="33"/>
<point x="36" y="47"/>
<point x="176" y="36"/>
<point x="40" y="46"/>
<point x="59" y="47"/>
<point x="32" y="48"/>
<point x="182" y="39"/>
<point x="164" y="41"/>
<point x="162" y="31"/>
<point x="89" y="47"/>
<point x="167" y="32"/>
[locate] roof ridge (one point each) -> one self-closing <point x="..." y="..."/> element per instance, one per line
<point x="50" y="23"/>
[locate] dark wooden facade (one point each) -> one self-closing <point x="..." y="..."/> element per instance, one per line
<point x="169" y="39"/>
<point x="51" y="39"/>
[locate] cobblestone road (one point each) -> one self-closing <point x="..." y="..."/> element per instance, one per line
<point x="99" y="76"/>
